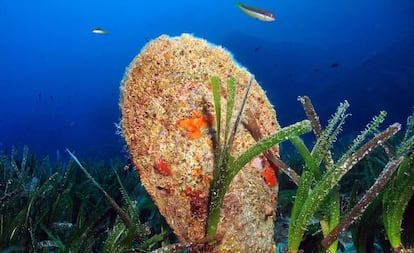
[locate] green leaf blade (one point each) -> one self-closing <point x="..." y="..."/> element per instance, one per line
<point x="283" y="134"/>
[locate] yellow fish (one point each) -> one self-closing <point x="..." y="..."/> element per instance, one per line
<point x="253" y="12"/>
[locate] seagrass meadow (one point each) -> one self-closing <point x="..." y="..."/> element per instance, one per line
<point x="48" y="205"/>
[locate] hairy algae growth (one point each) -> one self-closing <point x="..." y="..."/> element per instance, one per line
<point x="318" y="190"/>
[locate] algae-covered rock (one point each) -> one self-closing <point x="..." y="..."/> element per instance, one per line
<point x="168" y="121"/>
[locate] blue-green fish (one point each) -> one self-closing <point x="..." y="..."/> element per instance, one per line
<point x="253" y="12"/>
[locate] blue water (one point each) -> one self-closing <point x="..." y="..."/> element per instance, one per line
<point x="59" y="82"/>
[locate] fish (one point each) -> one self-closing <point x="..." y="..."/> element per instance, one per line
<point x="99" y="30"/>
<point x="334" y="65"/>
<point x="253" y="12"/>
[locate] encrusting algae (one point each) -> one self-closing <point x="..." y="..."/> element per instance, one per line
<point x="195" y="123"/>
<point x="167" y="121"/>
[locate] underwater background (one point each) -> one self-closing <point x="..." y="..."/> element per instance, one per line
<point x="59" y="82"/>
<point x="61" y="66"/>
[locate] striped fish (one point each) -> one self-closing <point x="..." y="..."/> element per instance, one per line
<point x="253" y="12"/>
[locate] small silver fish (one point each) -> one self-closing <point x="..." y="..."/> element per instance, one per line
<point x="99" y="30"/>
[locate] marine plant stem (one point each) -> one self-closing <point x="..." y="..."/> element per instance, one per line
<point x="331" y="216"/>
<point x="395" y="201"/>
<point x="316" y="189"/>
<point x="217" y="192"/>
<point x="360" y="207"/>
<point x="296" y="129"/>
<point x="400" y="190"/>
<point x="122" y="214"/>
<point x="226" y="166"/>
<point x="229" y="169"/>
<point x="325" y="185"/>
<point x="254" y="129"/>
<point x="311" y="114"/>
<point x="328" y="136"/>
